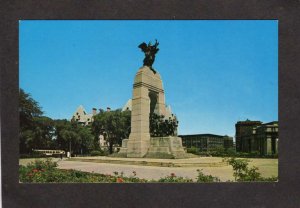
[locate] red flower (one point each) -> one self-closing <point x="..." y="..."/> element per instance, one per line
<point x="120" y="180"/>
<point x="173" y="175"/>
<point x="35" y="170"/>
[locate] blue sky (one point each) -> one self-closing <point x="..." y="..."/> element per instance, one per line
<point x="214" y="72"/>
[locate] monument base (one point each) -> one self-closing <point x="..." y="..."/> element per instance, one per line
<point x="166" y="147"/>
<point x="137" y="148"/>
<point x="123" y="149"/>
<point x="158" y="147"/>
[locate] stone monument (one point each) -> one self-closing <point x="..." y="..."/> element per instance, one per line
<point x="148" y="97"/>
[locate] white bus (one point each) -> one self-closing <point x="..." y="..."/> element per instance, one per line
<point x="50" y="152"/>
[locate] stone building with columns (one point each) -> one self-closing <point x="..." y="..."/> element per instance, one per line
<point x="255" y="136"/>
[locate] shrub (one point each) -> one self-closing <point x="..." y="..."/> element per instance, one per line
<point x="37" y="171"/>
<point x="192" y="150"/>
<point x="33" y="155"/>
<point x="172" y="178"/>
<point x="254" y="154"/>
<point x="46" y="172"/>
<point x="206" y="178"/>
<point x="243" y="173"/>
<point x="121" y="155"/>
<point x="97" y="153"/>
<point x="205" y="154"/>
<point x="230" y="151"/>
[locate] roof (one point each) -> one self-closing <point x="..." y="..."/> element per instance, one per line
<point x="81" y="114"/>
<point x="128" y="105"/>
<point x="271" y="123"/>
<point x="248" y="122"/>
<point x="203" y="135"/>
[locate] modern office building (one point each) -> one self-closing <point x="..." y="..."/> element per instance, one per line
<point x="206" y="142"/>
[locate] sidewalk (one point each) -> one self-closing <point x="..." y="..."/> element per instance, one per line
<point x="146" y="172"/>
<point x="188" y="162"/>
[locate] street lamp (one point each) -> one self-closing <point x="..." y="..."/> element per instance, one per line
<point x="70" y="144"/>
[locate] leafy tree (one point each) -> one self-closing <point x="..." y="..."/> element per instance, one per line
<point x="71" y="134"/>
<point x="44" y="132"/>
<point x="28" y="109"/>
<point x="39" y="136"/>
<point x="62" y="127"/>
<point x="160" y="127"/>
<point x="114" y="125"/>
<point x="26" y="140"/>
<point x="40" y="132"/>
<point x="86" y="139"/>
<point x="35" y="129"/>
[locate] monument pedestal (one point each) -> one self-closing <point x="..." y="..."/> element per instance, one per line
<point x="148" y="97"/>
<point x="146" y="82"/>
<point x="137" y="148"/>
<point x="166" y="147"/>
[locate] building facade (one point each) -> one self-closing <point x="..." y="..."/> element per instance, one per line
<point x="262" y="137"/>
<point x="242" y="129"/>
<point x="83" y="118"/>
<point x="206" y="142"/>
<point x="167" y="112"/>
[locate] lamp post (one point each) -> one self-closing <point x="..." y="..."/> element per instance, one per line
<point x="70" y="144"/>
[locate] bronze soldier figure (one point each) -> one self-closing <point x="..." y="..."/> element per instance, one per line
<point x="150" y="51"/>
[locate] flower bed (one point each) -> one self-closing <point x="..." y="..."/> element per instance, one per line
<point x="46" y="172"/>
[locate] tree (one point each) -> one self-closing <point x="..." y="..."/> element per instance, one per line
<point x="71" y="135"/>
<point x="33" y="127"/>
<point x="40" y="132"/>
<point x="160" y="127"/>
<point x="60" y="127"/>
<point x="86" y="139"/>
<point x="114" y="125"/>
<point x="28" y="109"/>
<point x="38" y="136"/>
<point x="66" y="137"/>
<point x="44" y="132"/>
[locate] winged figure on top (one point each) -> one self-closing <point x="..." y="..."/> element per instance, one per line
<point x="150" y="51"/>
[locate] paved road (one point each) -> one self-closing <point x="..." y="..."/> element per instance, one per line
<point x="147" y="172"/>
